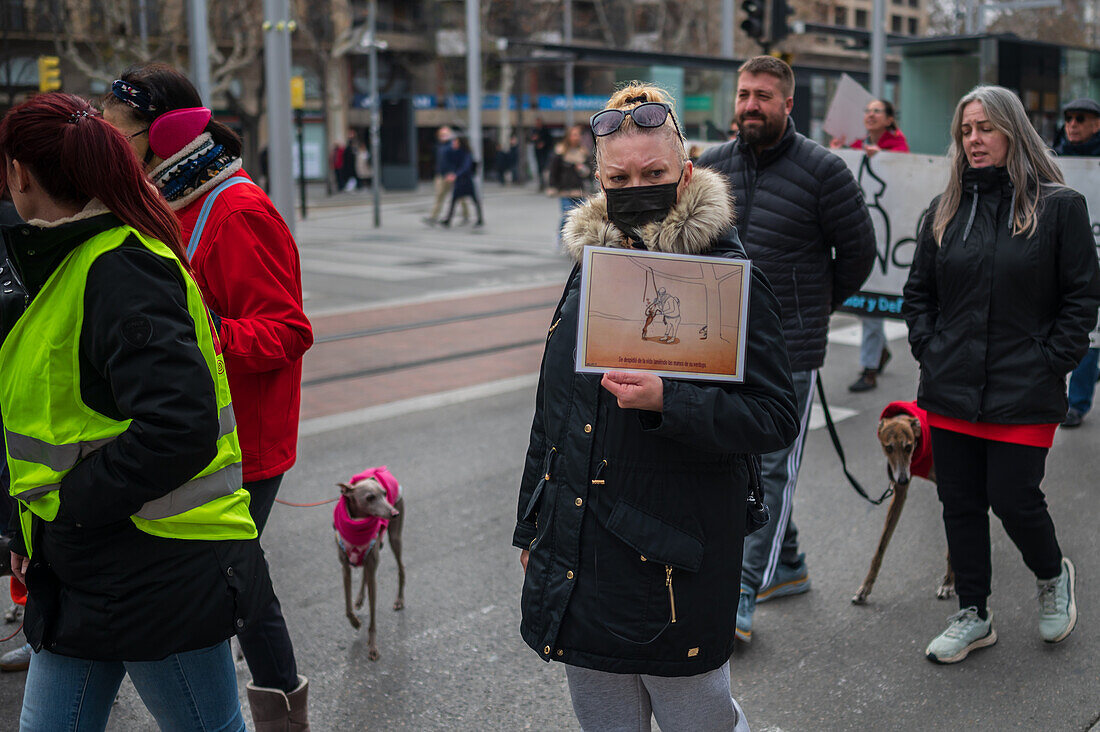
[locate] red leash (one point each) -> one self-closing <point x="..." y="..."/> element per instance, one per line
<point x="13" y="634"/>
<point x="306" y="505"/>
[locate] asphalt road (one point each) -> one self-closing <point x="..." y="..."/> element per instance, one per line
<point x="453" y="659"/>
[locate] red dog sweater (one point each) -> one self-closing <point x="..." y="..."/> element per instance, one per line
<point x="921" y="462"/>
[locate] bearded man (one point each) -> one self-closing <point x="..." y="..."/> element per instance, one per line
<point x="804" y="223"/>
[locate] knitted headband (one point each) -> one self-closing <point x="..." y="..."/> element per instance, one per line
<point x="139" y="99"/>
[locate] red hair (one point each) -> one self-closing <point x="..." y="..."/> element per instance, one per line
<point x="76" y="157"/>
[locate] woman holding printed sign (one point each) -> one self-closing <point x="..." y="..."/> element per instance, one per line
<point x="882" y="134"/>
<point x="1001" y="296"/>
<point x="632" y="504"/>
<point x="246" y="264"/>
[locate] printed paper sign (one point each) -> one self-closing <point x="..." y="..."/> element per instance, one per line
<point x="674" y="315"/>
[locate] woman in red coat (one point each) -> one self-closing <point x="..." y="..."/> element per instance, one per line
<point x="246" y="263"/>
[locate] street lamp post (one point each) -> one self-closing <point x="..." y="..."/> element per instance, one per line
<point x="473" y="84"/>
<point x="277" y="27"/>
<point x="375" y="115"/>
<point x="200" y="48"/>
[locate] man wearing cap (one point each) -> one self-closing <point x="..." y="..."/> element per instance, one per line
<point x="1082" y="139"/>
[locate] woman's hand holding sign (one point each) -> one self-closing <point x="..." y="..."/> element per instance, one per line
<point x="636" y="390"/>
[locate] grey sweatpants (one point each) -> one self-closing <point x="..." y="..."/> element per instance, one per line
<point x="778" y="541"/>
<point x="607" y="702"/>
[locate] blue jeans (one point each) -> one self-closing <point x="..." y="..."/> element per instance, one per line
<point x="1082" y="382"/>
<point x="195" y="690"/>
<point x="872" y="343"/>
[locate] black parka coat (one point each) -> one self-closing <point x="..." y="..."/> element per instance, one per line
<point x="804" y="222"/>
<point x="996" y="321"/>
<point x="632" y="517"/>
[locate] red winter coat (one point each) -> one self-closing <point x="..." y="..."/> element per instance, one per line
<point x="890" y="141"/>
<point x="248" y="270"/>
<point x="921" y="462"/>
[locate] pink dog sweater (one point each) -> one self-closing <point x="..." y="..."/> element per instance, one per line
<point x="357" y="536"/>
<point x="921" y="462"/>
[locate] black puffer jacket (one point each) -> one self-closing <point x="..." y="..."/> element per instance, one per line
<point x="995" y="320"/>
<point x="99" y="587"/>
<point x="625" y="511"/>
<point x="803" y="221"/>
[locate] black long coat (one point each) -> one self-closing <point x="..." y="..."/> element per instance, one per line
<point x="627" y="513"/>
<point x="995" y="320"/>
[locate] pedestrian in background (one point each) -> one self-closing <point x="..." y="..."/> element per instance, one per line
<point x="508" y="162"/>
<point x="444" y="175"/>
<point x="882" y="134"/>
<point x="138" y="549"/>
<point x="543" y="143"/>
<point x="1082" y="138"/>
<point x="570" y="171"/>
<point x="337" y="162"/>
<point x="463" y="180"/>
<point x="627" y="475"/>
<point x="348" y="163"/>
<point x="246" y="264"/>
<point x="805" y="225"/>
<point x="734" y="130"/>
<point x="1001" y="296"/>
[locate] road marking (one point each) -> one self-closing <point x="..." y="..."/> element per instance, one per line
<point x="851" y="335"/>
<point x="817" y="415"/>
<point x="366" y="415"/>
<point x="535" y="282"/>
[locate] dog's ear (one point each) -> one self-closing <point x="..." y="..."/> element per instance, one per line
<point x="881" y="425"/>
<point x="345" y="489"/>
<point x="914" y="423"/>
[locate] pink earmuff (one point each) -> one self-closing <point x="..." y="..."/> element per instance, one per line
<point x="173" y="131"/>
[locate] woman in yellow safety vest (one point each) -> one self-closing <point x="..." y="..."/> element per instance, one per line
<point x="134" y="537"/>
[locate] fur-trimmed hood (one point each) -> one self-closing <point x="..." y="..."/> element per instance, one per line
<point x="703" y="213"/>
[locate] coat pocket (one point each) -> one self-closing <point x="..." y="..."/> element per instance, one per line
<point x="638" y="558"/>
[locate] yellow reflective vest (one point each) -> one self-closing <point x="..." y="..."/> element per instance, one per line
<point x="48" y="428"/>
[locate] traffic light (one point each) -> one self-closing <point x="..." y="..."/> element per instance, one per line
<point x="49" y="73"/>
<point x="780" y="20"/>
<point x="753" y="25"/>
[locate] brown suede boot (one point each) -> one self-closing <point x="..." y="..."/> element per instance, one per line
<point x="276" y="711"/>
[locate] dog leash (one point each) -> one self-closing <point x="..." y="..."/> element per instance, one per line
<point x="2" y="640"/>
<point x="840" y="451"/>
<point x="306" y="505"/>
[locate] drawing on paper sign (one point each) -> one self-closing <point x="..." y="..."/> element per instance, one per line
<point x="677" y="315"/>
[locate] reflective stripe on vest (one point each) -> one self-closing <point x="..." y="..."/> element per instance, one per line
<point x="63" y="457"/>
<point x="49" y="429"/>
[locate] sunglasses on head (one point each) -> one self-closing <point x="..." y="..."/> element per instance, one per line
<point x="1078" y="118"/>
<point x="649" y="114"/>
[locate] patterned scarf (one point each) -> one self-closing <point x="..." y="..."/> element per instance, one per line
<point x="195" y="166"/>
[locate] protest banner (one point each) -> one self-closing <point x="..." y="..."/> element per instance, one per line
<point x="898" y="188"/>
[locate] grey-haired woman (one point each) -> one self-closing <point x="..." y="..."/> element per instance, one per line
<point x="1000" y="300"/>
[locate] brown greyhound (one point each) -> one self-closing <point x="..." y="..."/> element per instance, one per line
<point x="902" y="438"/>
<point x="368" y="507"/>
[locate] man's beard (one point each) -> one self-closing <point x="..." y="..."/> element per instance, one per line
<point x="764" y="134"/>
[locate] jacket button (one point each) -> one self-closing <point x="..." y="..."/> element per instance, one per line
<point x="546" y="650"/>
<point x="587" y="428"/>
<point x="643" y="559"/>
<point x="240" y="623"/>
<point x="229" y="571"/>
<point x="579" y="501"/>
<point x="569" y="574"/>
<point x="560" y="652"/>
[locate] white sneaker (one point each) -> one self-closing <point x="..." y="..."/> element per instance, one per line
<point x="967" y="632"/>
<point x="1058" y="604"/>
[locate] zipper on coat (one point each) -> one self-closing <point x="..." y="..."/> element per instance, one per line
<point x="750" y="190"/>
<point x="671" y="596"/>
<point x="797" y="304"/>
<point x="552" y="329"/>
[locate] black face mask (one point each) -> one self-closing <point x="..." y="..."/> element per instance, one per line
<point x="632" y="208"/>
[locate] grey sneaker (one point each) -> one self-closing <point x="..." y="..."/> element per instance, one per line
<point x="787" y="580"/>
<point x="17" y="660"/>
<point x="1058" y="604"/>
<point x="967" y="632"/>
<point x="746" y="607"/>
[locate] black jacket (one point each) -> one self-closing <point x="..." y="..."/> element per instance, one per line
<point x="803" y="221"/>
<point x="995" y="320"/>
<point x="616" y="504"/>
<point x="1090" y="148"/>
<point x="99" y="587"/>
